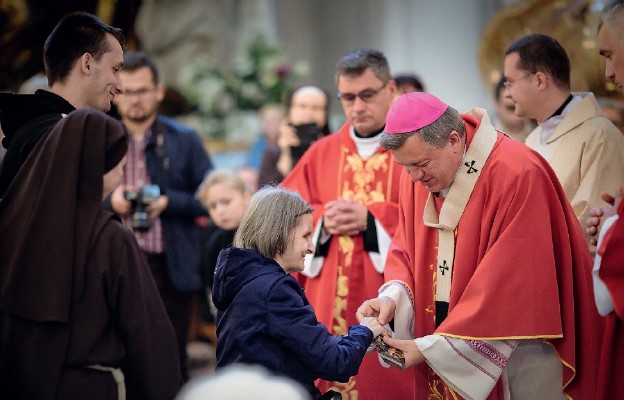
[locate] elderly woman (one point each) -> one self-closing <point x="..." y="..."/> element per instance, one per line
<point x="263" y="314"/>
<point x="80" y="315"/>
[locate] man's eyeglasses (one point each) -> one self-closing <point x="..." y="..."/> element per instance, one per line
<point x="366" y="95"/>
<point x="508" y="84"/>
<point x="139" y="92"/>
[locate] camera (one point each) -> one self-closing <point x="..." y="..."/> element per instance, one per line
<point x="140" y="199"/>
<point x="307" y="134"/>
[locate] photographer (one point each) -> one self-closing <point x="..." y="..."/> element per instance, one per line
<point x="166" y="163"/>
<point x="306" y="122"/>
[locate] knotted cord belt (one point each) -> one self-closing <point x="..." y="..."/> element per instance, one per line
<point x="118" y="375"/>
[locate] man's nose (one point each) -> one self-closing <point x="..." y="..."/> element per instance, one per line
<point x="506" y="93"/>
<point x="609" y="72"/>
<point x="119" y="87"/>
<point x="359" y="104"/>
<point x="415" y="173"/>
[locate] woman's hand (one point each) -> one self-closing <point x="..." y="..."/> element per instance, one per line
<point x="374" y="325"/>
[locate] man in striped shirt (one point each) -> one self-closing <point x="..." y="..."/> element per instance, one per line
<point x="166" y="153"/>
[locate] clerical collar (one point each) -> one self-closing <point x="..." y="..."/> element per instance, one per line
<point x="357" y="134"/>
<point x="549" y="127"/>
<point x="560" y="109"/>
<point x="366" y="146"/>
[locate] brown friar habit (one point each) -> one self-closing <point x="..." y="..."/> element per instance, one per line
<point x="74" y="289"/>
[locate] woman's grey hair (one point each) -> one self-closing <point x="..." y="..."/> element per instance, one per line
<point x="354" y="64"/>
<point x="268" y="222"/>
<point x="612" y="10"/>
<point x="239" y="381"/>
<point x="435" y="134"/>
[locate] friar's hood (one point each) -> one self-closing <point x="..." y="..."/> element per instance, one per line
<point x="18" y="109"/>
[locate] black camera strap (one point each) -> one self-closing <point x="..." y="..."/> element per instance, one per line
<point x="161" y="151"/>
<point x="162" y="160"/>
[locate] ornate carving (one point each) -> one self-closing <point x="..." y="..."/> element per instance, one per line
<point x="573" y="23"/>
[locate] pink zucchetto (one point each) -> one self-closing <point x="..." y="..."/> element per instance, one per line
<point x="413" y="111"/>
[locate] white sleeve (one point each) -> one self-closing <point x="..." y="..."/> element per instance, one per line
<point x="470" y="367"/>
<point x="603" y="299"/>
<point x="312" y="265"/>
<point x="404" y="313"/>
<point x="383" y="242"/>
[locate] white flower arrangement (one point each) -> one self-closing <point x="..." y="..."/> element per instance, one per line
<point x="224" y="99"/>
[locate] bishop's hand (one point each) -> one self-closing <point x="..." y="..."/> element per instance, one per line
<point x="382" y="308"/>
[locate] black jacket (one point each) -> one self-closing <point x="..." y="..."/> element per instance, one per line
<point x="25" y="119"/>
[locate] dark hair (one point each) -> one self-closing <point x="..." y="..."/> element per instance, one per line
<point x="76" y="34"/>
<point x="409" y="79"/>
<point x="542" y="53"/>
<point x="354" y="64"/>
<point x="135" y="60"/>
<point x="289" y="98"/>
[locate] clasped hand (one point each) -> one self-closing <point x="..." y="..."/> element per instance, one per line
<point x="344" y="217"/>
<point x="597" y="216"/>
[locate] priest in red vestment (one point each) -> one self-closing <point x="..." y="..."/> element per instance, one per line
<point x="609" y="262"/>
<point x="352" y="183"/>
<point x="488" y="275"/>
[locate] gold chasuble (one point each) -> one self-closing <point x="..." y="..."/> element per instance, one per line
<point x="350" y="270"/>
<point x="365" y="181"/>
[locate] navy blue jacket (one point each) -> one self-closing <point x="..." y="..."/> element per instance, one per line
<point x="265" y="318"/>
<point x="186" y="162"/>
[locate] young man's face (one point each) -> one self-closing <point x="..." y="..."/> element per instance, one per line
<point x="139" y="103"/>
<point x="105" y="83"/>
<point x="367" y="115"/>
<point x="520" y="87"/>
<point x="611" y="47"/>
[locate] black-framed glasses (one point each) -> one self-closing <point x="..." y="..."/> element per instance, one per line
<point x="366" y="95"/>
<point x="508" y="84"/>
<point x="139" y="92"/>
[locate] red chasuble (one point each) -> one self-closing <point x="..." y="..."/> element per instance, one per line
<point x="329" y="170"/>
<point x="611" y="375"/>
<point x="522" y="268"/>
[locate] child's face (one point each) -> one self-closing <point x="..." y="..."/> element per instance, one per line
<point x="226" y="205"/>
